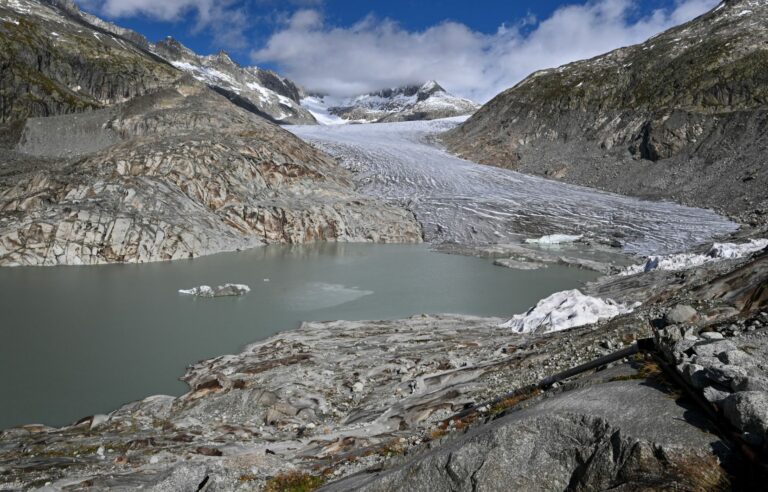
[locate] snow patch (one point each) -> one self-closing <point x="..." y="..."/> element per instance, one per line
<point x="564" y="310"/>
<point x="683" y="261"/>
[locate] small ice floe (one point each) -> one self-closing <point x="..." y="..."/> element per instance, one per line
<point x="554" y="239"/>
<point x="566" y="309"/>
<point x="220" y="291"/>
<point x="683" y="261"/>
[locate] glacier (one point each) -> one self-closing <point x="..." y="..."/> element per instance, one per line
<point x="458" y="201"/>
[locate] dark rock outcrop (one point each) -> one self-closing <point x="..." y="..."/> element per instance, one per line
<point x="52" y="63"/>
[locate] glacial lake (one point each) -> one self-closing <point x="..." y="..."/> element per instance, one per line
<point x="83" y="340"/>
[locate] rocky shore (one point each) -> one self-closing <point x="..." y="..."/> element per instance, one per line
<point x="368" y="405"/>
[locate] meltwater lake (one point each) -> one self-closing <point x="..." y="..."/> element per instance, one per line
<point x="83" y="340"/>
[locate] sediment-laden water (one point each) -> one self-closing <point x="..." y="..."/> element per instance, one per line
<point x="84" y="340"/>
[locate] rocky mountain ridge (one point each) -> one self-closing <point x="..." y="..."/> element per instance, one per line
<point x="262" y="91"/>
<point x="427" y="101"/>
<point x="682" y="116"/>
<point x="78" y="37"/>
<point x="53" y="63"/>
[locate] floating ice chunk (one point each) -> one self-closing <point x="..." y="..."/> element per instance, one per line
<point x="202" y="291"/>
<point x="683" y="261"/>
<point x="554" y="239"/>
<point x="566" y="309"/>
<point x="220" y="291"/>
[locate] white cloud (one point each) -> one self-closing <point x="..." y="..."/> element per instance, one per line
<point x="226" y="20"/>
<point x="377" y="53"/>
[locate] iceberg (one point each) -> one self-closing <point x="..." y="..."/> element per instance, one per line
<point x="226" y="290"/>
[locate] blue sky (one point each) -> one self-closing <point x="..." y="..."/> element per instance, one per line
<point x="347" y="46"/>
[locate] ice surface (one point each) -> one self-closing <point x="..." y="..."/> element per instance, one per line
<point x="683" y="261"/>
<point x="460" y="201"/>
<point x="563" y="310"/>
<point x="554" y="239"/>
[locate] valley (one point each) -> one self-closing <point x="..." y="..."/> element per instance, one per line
<point x="564" y="288"/>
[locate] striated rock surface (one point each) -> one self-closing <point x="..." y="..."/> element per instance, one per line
<point x="192" y="175"/>
<point x="682" y="116"/>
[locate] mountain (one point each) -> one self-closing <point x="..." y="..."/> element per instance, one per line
<point x="262" y="91"/>
<point x="110" y="154"/>
<point x="683" y="116"/>
<point x="118" y="56"/>
<point x="54" y="62"/>
<point x="414" y="102"/>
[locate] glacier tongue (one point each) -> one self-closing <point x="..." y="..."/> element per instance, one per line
<point x="461" y="202"/>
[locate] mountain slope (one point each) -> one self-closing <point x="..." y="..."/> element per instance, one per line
<point x="428" y="101"/>
<point x="142" y="162"/>
<point x="682" y="116"/>
<point x="53" y="63"/>
<point x="272" y="96"/>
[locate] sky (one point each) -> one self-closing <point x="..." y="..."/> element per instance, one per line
<point x="475" y="49"/>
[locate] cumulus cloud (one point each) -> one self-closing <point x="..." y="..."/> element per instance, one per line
<point x="226" y="20"/>
<point x="376" y="53"/>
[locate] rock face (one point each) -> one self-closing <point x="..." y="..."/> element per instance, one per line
<point x="261" y="91"/>
<point x="54" y="63"/>
<point x="192" y="175"/>
<point x="681" y="116"/>
<point x="57" y="59"/>
<point x="428" y="101"/>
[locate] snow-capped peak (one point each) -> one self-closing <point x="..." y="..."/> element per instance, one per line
<point x="425" y="101"/>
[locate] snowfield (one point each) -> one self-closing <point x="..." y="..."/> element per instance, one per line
<point x="463" y="202"/>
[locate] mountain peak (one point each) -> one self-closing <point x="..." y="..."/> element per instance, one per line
<point x="172" y="45"/>
<point x="428" y="89"/>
